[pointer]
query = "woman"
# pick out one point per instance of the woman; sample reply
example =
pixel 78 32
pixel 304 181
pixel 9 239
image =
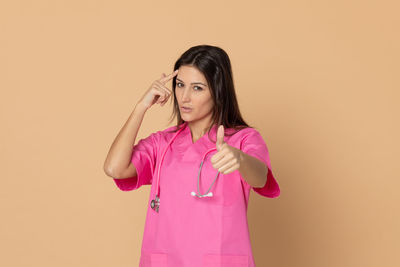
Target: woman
pixel 197 212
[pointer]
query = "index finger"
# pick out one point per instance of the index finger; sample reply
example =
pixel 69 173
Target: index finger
pixel 169 76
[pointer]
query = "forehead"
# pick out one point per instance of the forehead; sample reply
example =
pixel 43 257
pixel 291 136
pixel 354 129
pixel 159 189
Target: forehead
pixel 190 74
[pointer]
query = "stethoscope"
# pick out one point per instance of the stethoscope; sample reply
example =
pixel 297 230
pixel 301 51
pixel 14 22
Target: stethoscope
pixel 155 203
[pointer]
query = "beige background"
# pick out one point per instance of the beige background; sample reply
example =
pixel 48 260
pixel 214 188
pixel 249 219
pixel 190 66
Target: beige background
pixel 320 80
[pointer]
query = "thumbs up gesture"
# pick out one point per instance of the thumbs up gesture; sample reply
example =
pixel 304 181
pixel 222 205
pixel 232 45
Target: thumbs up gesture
pixel 228 158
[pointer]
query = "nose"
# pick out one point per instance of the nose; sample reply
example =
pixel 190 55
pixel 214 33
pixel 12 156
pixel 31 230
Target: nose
pixel 186 95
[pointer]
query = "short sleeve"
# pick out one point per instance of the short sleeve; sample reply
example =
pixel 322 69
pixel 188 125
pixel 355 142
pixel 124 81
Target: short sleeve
pixel 144 156
pixel 253 144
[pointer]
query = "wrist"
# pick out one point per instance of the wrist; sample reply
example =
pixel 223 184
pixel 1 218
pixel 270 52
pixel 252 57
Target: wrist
pixel 140 107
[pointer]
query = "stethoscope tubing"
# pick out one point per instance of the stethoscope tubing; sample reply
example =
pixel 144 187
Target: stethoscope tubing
pixel 156 202
pixel 162 159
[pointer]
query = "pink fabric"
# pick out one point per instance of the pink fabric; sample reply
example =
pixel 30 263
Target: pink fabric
pixel 190 231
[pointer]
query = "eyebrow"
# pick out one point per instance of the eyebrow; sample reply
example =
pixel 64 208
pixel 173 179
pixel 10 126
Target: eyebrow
pixel 193 83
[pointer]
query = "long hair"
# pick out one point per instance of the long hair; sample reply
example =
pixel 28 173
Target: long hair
pixel 214 63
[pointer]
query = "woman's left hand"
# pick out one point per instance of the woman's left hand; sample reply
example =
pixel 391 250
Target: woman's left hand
pixel 228 158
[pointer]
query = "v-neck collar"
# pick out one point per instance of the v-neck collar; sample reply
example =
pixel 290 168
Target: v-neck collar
pixel 192 151
pixel 203 138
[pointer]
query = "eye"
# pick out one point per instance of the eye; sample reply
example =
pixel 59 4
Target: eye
pixel 199 88
pixel 178 84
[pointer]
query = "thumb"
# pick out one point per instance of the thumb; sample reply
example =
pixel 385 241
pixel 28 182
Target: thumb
pixel 220 137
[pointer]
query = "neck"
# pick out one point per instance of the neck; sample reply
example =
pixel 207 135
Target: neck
pixel 198 129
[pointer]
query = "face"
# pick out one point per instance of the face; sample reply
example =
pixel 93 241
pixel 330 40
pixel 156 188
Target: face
pixel 193 91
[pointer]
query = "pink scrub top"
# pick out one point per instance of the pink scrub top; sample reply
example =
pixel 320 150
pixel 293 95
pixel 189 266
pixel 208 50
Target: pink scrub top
pixel 189 231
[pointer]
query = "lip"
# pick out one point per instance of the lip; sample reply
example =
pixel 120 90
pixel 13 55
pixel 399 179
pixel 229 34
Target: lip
pixel 183 109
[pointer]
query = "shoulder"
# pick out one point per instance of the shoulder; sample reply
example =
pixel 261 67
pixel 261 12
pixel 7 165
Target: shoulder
pixel 242 133
pixel 165 134
pixel 243 136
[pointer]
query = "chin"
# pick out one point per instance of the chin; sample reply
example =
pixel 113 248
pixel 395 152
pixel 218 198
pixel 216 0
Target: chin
pixel 185 118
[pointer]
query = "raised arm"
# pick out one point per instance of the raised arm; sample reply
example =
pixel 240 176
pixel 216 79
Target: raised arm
pixel 118 162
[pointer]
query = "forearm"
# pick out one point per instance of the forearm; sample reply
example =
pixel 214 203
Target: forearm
pixel 253 170
pixel 119 155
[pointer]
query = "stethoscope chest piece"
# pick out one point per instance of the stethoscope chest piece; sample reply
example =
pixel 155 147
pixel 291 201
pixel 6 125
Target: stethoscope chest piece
pixel 155 203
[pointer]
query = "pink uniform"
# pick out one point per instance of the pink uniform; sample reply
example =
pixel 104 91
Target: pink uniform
pixel 189 231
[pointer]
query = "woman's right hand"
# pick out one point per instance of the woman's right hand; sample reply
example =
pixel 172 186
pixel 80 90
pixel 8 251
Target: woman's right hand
pixel 158 92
